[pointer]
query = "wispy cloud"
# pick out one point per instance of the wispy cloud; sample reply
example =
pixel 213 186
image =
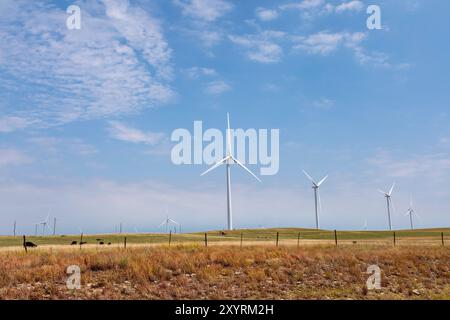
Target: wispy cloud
pixel 196 72
pixel 266 14
pixel 301 5
pixel 354 5
pixel 11 123
pixel 122 132
pixel 122 67
pixel 414 165
pixel 217 87
pixel 207 10
pixel 261 47
pixel 63 145
pixel 324 43
pixel 13 157
pixel 323 103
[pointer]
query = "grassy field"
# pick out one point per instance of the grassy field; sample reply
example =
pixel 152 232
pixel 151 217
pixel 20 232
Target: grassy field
pixel 225 272
pixel 264 236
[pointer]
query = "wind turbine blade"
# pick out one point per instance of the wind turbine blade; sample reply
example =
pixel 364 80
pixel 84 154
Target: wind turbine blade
pixel 392 189
pixel 218 164
pixel 173 221
pixel 322 181
pixel 383 192
pixel 245 168
pixel 163 223
pixel 309 177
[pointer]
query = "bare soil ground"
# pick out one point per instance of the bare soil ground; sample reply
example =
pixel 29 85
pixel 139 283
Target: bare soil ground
pixel 258 270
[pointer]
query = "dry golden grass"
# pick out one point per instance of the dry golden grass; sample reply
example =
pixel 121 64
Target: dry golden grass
pixel 227 272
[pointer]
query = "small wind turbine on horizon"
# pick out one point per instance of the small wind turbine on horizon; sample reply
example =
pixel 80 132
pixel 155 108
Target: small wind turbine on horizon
pixel 411 212
pixel 317 201
pixel 44 224
pixel 388 196
pixel 168 221
pixel 229 160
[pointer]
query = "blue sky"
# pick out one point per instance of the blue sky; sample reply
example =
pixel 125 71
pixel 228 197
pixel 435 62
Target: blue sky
pixel 86 115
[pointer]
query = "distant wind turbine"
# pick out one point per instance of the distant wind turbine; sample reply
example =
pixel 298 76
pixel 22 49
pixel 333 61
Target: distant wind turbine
pixel 44 224
pixel 229 160
pixel 317 201
pixel 388 196
pixel 168 221
pixel 411 212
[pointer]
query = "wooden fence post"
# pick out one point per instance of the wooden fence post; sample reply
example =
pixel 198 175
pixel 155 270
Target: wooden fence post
pixel 81 240
pixel 206 239
pixel 442 239
pixel 335 238
pixel 25 243
pixel 125 243
pixel 395 240
pixel 242 236
pixel 170 237
pixel 278 236
pixel 298 240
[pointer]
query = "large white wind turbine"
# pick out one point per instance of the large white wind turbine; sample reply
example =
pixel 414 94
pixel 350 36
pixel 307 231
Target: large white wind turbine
pixel 388 196
pixel 229 160
pixel 411 212
pixel 317 201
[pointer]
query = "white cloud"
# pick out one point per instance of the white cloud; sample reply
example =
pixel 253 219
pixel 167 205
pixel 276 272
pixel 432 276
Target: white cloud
pixel 354 5
pixel 324 43
pixel 302 5
pixel 217 87
pixel 117 63
pixel 266 14
pixel 196 72
pixel 10 124
pixel 414 165
pixel 207 10
pixel 64 145
pixel 261 47
pixel 125 133
pixel 12 157
pixel 323 103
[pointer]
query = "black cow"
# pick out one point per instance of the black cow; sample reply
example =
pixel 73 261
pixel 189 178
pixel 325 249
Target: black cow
pixel 73 243
pixel 30 244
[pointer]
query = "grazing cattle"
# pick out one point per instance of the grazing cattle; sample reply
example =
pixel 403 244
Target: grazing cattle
pixel 82 242
pixel 30 244
pixel 223 233
pixel 73 243
pixel 101 243
pixel 98 239
pixel 109 243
